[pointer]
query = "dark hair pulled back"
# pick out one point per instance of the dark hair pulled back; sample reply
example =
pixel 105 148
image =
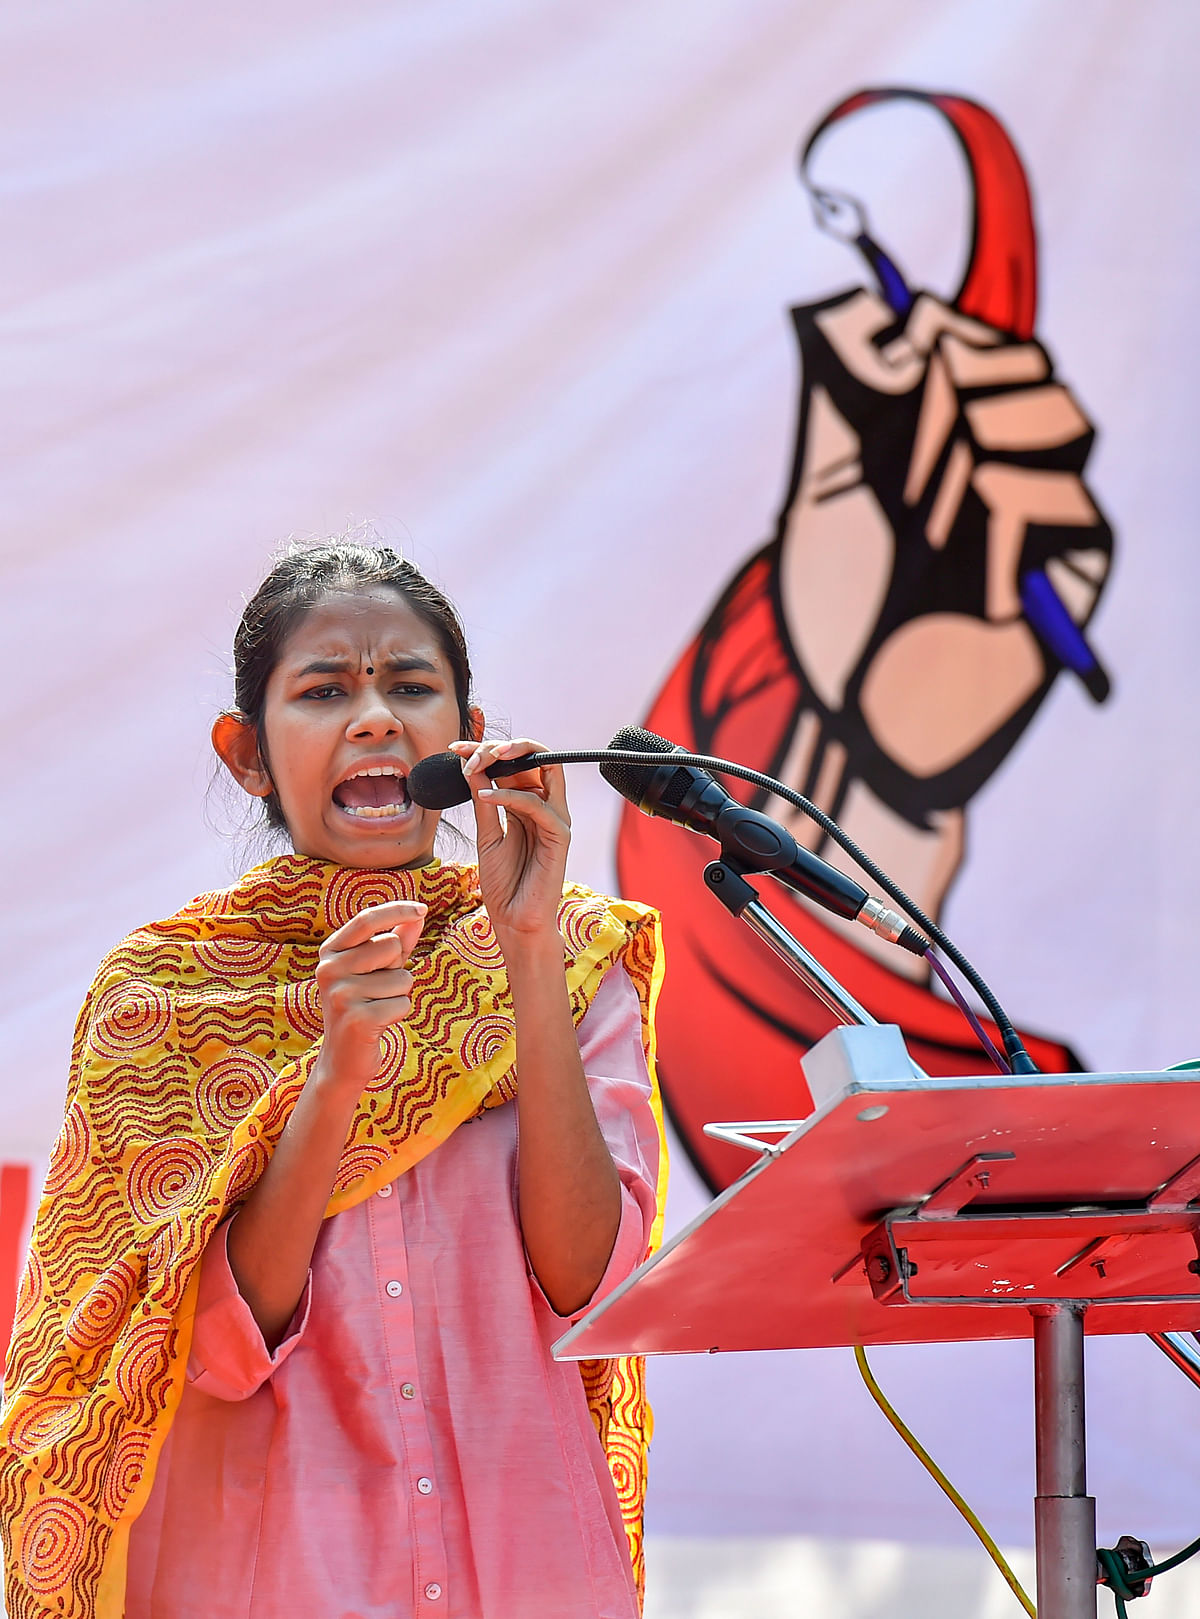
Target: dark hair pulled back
pixel 307 575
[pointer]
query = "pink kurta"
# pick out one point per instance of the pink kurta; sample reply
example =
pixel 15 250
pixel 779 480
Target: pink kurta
pixel 410 1449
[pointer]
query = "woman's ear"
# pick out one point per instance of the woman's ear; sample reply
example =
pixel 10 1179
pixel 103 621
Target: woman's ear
pixel 236 743
pixel 477 726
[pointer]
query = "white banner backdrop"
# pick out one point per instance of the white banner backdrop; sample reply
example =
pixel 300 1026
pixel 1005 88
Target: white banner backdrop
pixel 510 282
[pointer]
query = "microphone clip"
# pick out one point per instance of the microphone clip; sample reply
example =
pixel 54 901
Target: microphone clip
pixel 728 884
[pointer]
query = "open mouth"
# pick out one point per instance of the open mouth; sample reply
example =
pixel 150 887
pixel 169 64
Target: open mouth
pixel 375 793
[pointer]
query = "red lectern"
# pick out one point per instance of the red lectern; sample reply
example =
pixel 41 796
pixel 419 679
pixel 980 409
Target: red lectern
pixel 916 1210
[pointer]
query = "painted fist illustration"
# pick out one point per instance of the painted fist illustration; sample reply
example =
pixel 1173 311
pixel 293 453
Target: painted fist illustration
pixel 936 563
pixel 939 554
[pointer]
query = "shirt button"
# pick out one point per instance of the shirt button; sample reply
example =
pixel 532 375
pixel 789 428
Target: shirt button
pixel 407 1391
pixel 385 1191
pixel 425 1485
pixel 394 1289
pixel 433 1590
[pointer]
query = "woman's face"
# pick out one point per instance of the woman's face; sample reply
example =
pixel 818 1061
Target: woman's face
pixel 361 691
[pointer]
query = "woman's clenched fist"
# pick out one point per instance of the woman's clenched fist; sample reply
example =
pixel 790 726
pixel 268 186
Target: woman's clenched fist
pixel 364 988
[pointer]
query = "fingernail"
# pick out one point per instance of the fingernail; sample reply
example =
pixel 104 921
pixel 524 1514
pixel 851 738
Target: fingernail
pixel 487 792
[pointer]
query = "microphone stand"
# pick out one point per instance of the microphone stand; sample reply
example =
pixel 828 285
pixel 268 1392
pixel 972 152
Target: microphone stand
pixel 727 882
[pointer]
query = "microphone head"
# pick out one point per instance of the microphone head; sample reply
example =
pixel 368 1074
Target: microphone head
pixel 438 782
pixel 629 780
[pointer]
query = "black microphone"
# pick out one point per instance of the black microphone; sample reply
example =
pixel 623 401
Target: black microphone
pixel 438 781
pixel 694 799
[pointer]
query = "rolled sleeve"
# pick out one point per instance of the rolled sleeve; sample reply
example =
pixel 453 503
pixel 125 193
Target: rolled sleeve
pixel 229 1358
pixel 614 1063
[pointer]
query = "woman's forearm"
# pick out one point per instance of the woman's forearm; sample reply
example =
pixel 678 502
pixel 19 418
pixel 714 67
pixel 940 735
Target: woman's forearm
pixel 568 1190
pixel 271 1241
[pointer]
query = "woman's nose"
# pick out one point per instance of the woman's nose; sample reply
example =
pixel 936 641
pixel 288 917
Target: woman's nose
pixel 373 718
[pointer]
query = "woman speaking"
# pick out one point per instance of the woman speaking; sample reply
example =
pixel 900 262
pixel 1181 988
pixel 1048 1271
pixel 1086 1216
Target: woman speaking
pixel 345 1145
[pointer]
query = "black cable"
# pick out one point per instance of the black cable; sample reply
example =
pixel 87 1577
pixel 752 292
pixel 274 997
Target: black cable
pixel 1018 1057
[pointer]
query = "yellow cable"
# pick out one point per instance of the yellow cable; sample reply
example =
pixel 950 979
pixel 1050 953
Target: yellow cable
pixel 939 1478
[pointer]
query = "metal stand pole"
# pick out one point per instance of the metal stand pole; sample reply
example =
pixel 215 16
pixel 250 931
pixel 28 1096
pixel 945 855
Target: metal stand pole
pixel 805 965
pixel 741 900
pixel 1064 1514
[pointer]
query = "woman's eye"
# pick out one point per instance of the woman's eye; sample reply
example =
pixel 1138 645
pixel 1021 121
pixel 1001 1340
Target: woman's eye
pixel 412 691
pixel 324 691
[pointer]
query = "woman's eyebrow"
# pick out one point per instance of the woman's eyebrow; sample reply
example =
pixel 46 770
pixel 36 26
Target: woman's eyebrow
pixel 324 666
pixel 400 662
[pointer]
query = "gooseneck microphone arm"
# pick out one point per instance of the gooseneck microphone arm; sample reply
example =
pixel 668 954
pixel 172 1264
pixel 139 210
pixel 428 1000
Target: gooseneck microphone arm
pixel 447 787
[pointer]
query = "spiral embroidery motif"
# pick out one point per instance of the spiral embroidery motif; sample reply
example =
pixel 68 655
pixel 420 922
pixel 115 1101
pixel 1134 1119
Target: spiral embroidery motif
pixel 123 1473
pixel 102 1311
pixel 485 1039
pixel 475 942
pixel 393 1053
pixel 164 1176
pixel 229 1088
pixel 52 1543
pixel 353 891
pixel 238 958
pixel 131 1017
pixel 358 1162
pixel 247 1165
pixel 45 1422
pixel 579 924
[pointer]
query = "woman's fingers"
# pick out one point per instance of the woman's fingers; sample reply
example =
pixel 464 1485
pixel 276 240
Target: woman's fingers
pixel 526 780
pixel 489 829
pixel 547 781
pixel 385 954
pixel 343 995
pixel 527 807
pixel 402 917
pixel 482 755
pixel 389 983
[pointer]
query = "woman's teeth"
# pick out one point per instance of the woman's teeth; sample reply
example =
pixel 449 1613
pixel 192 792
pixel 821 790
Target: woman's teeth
pixel 378 792
pixel 372 811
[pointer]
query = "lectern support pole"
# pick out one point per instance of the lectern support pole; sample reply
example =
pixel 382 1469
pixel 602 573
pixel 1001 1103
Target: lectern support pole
pixel 1064 1514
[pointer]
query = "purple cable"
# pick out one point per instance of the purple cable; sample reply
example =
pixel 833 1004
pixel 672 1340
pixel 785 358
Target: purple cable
pixel 934 961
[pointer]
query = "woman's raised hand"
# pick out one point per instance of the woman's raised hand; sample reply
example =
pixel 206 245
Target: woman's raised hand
pixel 522 858
pixel 364 989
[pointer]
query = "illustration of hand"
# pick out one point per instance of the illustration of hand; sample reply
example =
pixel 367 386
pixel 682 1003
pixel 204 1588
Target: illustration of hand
pixel 939 553
pixel 935 567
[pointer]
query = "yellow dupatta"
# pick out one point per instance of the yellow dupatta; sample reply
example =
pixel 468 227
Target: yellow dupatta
pixel 190 1050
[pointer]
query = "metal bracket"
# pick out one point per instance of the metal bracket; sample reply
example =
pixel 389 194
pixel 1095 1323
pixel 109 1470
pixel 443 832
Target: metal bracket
pixel 742 1133
pixel 953 1195
pixel 891 1250
pixel 1097 1253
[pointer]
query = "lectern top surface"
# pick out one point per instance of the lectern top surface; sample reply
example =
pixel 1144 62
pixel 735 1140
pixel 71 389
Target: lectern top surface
pixel 775 1263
